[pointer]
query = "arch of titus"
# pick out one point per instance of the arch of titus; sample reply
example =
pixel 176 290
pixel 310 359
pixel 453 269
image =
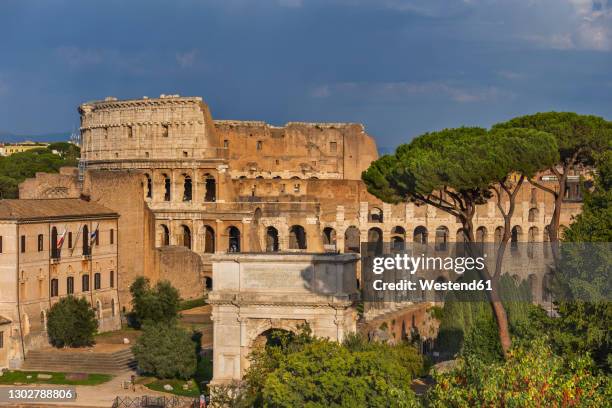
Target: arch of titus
pixel 254 293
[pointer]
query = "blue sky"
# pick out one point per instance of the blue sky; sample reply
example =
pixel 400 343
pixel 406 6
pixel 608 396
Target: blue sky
pixel 401 67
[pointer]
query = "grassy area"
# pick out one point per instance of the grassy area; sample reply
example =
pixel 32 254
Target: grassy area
pixel 14 377
pixel 203 373
pixel 191 303
pixel 177 385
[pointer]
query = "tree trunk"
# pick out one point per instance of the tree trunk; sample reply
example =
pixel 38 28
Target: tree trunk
pixel 502 322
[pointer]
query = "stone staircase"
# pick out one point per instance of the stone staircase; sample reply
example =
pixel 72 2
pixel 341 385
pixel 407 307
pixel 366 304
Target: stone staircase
pixel 80 361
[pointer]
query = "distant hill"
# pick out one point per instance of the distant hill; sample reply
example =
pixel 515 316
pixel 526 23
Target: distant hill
pixel 8 137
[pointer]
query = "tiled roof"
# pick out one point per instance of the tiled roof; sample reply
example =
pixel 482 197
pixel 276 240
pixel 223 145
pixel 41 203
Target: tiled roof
pixel 51 208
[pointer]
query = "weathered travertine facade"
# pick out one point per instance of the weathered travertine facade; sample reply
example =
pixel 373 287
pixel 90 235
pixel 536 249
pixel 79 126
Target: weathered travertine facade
pixel 255 293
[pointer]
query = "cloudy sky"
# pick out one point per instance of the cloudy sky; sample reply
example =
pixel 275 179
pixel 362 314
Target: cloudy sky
pixel 401 67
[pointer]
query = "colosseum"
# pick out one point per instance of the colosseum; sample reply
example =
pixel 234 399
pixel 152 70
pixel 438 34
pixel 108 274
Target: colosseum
pixel 188 186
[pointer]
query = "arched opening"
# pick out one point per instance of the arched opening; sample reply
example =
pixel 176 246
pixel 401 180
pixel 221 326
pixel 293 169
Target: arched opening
pixel 532 236
pixel 546 243
pixel 55 250
pixel 148 187
pixel 272 338
pixel 233 234
pixel 329 237
pixel 398 238
pixel 375 215
pixel 533 215
pixel 481 234
pixel 481 237
pixel 420 235
pixel 271 239
pixel 86 248
pixel 164 235
pixel 187 188
pixel 352 240
pixel 208 283
pixel 460 241
pixel 209 239
pixel 297 237
pixel 515 237
pixel 167 186
pixel 210 188
pixel 186 236
pixel 441 239
pixel 375 241
pixel 498 235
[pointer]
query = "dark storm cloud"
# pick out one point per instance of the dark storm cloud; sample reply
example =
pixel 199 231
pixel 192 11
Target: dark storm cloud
pixel 401 67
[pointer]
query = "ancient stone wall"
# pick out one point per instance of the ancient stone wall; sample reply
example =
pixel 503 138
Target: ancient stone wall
pixel 301 150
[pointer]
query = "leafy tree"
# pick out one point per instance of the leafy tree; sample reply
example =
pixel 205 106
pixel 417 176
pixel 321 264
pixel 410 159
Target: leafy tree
pixel 166 351
pixel 71 322
pixel 299 370
pixel 578 137
pixel 158 304
pixel 585 323
pixel 455 170
pixel 17 167
pixel 531 376
pixel 67 151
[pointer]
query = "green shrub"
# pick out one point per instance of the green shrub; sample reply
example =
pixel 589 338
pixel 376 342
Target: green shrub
pixel 157 304
pixel 71 322
pixel 165 351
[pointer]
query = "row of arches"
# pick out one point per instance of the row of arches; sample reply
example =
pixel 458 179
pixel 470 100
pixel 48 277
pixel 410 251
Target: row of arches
pixel 297 237
pixel 209 182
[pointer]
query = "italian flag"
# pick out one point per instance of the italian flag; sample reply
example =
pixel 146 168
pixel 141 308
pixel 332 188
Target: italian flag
pixel 60 239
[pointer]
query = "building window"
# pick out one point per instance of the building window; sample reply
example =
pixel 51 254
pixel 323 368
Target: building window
pixel 70 240
pixel 166 187
pixel 97 281
pixel 1 339
pixel 333 147
pixel 185 154
pixel 165 130
pixel 54 247
pixel 226 143
pixel 85 283
pixel 23 243
pixel 116 155
pixel 296 188
pixel 187 188
pixel 41 242
pixel 259 145
pixel 149 186
pixel 70 285
pixel 0 244
pixel 129 131
pixel 86 249
pixel 112 279
pixel 146 154
pixel 112 236
pixel 54 287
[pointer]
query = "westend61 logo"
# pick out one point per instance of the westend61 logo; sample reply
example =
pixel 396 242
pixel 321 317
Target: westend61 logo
pixel 411 264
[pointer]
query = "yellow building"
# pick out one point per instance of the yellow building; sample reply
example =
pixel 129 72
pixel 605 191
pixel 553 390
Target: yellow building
pixel 13 148
pixel 50 249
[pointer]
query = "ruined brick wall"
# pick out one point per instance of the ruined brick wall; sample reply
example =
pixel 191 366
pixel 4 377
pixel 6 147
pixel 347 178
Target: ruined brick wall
pixel 182 268
pixel 52 185
pixel 122 191
pixel 303 150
